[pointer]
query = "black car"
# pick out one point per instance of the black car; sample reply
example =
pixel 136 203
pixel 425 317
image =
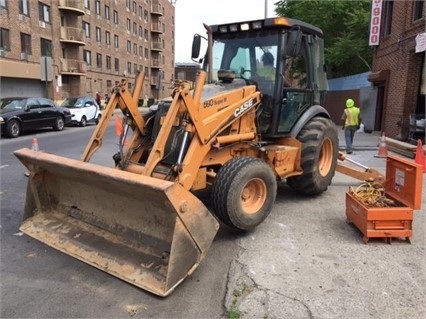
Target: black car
pixel 19 114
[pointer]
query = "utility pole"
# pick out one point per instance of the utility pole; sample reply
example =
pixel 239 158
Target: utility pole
pixel 266 9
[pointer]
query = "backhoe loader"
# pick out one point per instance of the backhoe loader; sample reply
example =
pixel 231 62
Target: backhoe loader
pixel 236 133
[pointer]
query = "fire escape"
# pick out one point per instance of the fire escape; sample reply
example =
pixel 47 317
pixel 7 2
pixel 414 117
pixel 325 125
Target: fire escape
pixel 157 47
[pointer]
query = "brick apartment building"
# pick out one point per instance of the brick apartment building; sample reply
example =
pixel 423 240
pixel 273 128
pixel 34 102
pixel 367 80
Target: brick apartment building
pixel 399 72
pixel 85 46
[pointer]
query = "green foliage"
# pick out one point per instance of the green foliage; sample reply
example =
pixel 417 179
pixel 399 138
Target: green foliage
pixel 346 28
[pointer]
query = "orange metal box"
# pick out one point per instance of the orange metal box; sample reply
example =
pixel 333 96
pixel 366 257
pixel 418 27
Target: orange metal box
pixel 403 185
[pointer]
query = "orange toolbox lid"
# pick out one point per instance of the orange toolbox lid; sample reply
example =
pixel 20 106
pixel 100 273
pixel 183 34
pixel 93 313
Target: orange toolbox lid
pixel 404 181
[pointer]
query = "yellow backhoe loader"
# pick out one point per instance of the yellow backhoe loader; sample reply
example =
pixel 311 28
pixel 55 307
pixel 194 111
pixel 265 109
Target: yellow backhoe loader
pixel 236 133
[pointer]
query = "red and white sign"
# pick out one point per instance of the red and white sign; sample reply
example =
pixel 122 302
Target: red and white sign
pixel 376 17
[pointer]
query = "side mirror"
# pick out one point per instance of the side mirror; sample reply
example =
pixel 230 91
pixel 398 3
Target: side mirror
pixel 196 45
pixel 294 40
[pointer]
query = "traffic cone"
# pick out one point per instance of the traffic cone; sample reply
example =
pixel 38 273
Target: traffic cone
pixel 34 145
pixel 420 155
pixel 118 126
pixel 383 150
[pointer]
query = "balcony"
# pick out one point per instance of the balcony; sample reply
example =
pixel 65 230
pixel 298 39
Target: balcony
pixel 155 63
pixel 156 8
pixel 154 80
pixel 157 46
pixel 75 6
pixel 156 27
pixel 73 67
pixel 72 35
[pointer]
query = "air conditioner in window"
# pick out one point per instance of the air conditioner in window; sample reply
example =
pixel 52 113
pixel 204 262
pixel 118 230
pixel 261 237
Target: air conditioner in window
pixel 42 24
pixel 24 56
pixel 22 17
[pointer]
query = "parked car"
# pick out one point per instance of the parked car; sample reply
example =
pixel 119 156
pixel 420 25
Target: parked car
pixel 83 110
pixel 18 114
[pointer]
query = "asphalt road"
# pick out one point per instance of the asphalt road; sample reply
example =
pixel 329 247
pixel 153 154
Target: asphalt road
pixel 304 261
pixel 40 282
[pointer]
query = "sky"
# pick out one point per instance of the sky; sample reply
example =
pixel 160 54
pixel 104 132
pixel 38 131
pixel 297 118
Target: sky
pixel 191 14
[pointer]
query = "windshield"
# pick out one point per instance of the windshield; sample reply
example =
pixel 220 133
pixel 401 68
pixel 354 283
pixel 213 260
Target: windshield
pixel 73 103
pixel 248 54
pixel 12 104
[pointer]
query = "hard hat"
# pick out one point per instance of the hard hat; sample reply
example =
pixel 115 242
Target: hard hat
pixel 350 103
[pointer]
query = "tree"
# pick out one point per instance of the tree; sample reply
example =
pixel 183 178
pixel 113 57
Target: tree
pixel 346 30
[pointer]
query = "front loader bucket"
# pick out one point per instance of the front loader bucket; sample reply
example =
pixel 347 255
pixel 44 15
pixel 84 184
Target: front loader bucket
pixel 149 232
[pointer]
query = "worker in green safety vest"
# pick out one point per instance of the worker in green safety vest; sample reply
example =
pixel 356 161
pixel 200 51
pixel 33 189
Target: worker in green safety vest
pixel 351 118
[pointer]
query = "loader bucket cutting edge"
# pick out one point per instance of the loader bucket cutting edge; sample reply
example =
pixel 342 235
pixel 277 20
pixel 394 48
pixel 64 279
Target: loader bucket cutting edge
pixel 149 232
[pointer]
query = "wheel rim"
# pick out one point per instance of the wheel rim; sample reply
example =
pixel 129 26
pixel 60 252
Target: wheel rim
pixel 325 161
pixel 60 124
pixel 253 196
pixel 15 129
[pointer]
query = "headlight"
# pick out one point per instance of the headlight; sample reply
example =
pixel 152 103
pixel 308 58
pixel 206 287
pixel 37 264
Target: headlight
pixel 1 120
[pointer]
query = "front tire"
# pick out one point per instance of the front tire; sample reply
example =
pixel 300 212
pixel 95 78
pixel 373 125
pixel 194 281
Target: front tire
pixel 13 128
pixel 83 121
pixel 319 156
pixel 244 192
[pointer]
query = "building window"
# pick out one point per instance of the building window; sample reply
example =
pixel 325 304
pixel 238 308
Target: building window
pixel 129 47
pixel 141 51
pixel 140 12
pixel 135 68
pixel 2 3
pixel 128 24
pixel 4 39
pixel 135 7
pixel 109 84
pixel 145 34
pixel 116 45
pixel 45 47
pixel 388 16
pixel 87 4
pixel 146 53
pixel 87 57
pixel 135 28
pixel 98 34
pixel 98 60
pixel 128 5
pixel 145 16
pixel 117 65
pixel 135 49
pixel 107 37
pixel 98 7
pixel 115 16
pixel 25 43
pixel 129 67
pixel 24 7
pixel 107 13
pixel 44 12
pixel 86 28
pixel 140 32
pixel 418 6
pixel 108 63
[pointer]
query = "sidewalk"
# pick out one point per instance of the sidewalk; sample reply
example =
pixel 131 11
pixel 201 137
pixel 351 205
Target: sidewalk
pixel 362 141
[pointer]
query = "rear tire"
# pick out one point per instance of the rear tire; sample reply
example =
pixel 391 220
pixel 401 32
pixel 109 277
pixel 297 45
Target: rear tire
pixel 83 121
pixel 59 124
pixel 319 156
pixel 13 128
pixel 244 192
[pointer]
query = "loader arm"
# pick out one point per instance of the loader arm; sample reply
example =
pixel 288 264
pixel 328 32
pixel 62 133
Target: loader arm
pixel 366 174
pixel 128 103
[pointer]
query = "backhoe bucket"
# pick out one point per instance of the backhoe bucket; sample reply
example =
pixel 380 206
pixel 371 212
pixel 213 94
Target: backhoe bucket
pixel 149 232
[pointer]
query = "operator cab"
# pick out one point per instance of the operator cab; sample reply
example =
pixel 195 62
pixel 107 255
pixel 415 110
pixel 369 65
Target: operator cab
pixel 281 56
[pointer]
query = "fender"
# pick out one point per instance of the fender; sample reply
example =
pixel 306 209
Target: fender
pixel 315 110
